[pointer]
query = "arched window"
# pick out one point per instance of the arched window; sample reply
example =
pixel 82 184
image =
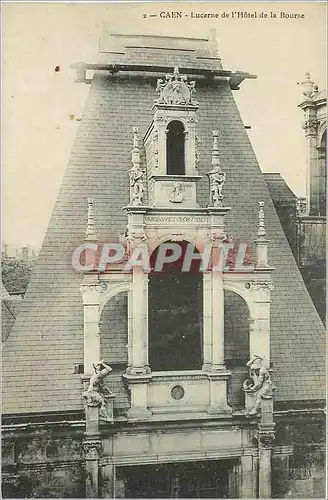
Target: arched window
pixel 175 148
pixel 236 345
pixel 175 316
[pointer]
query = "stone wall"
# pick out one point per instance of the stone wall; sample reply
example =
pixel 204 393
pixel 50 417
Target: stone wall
pixel 299 470
pixel 46 463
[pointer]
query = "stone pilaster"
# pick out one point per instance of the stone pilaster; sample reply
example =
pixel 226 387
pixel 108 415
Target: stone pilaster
pixel 92 449
pixel 138 365
pixel 247 487
pixel 207 320
pixel 265 442
pixel 138 386
pixel 217 321
pixel 91 290
pixel 107 474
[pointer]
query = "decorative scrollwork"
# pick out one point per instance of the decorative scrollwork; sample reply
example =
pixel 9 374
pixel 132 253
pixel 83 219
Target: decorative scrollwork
pixel 265 439
pixel 90 288
pixel 92 449
pixel 175 90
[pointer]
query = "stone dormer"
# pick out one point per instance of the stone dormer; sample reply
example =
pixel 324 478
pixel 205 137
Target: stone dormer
pixel 171 143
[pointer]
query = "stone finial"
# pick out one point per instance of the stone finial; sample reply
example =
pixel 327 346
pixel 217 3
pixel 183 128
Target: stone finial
pixel 261 232
pixel 215 150
pixel 216 176
pixel 136 173
pixel 135 150
pixel 175 90
pixel 308 86
pixel 90 232
pixel 261 241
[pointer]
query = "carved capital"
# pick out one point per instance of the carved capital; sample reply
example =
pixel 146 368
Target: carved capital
pixel 310 127
pixel 136 234
pixel 265 439
pixel 91 288
pixel 260 286
pixel 92 449
pixel 161 119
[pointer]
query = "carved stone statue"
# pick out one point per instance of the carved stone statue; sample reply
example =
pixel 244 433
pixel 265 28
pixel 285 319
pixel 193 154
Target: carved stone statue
pixel 217 179
pixel 259 383
pixel 97 391
pixel 136 185
pixel 176 195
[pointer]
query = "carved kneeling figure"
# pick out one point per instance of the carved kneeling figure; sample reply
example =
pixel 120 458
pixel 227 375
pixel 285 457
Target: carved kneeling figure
pixel 97 391
pixel 259 383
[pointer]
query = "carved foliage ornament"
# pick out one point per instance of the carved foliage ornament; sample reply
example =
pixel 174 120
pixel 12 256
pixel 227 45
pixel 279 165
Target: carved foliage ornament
pixel 310 126
pixel 260 286
pixel 90 288
pixel 175 90
pixel 265 439
pixel 136 173
pixel 92 449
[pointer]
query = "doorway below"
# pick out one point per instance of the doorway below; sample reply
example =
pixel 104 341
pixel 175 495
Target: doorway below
pixel 207 479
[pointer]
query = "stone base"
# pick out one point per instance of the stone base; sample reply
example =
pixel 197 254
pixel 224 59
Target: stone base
pixel 139 414
pixel 220 411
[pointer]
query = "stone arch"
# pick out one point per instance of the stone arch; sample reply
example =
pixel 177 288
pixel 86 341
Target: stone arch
pixel 236 344
pixel 113 326
pixel 188 236
pixel 175 148
pixel 111 291
pixel 239 289
pixel 321 132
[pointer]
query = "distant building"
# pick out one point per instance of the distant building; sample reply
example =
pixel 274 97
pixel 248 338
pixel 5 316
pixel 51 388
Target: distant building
pixel 304 219
pixel 25 253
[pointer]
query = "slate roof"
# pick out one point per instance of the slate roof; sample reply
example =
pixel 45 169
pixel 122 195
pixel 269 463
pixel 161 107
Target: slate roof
pixel 278 188
pixel 47 339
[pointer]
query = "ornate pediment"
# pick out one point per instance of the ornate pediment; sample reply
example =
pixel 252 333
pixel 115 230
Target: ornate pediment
pixel 175 90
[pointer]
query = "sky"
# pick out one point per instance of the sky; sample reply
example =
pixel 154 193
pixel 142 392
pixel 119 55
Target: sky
pixel 40 105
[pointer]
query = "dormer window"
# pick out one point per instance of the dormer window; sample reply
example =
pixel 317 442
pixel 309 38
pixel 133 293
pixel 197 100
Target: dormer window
pixel 175 148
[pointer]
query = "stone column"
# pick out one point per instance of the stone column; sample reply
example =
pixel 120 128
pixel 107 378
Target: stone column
pixel 217 322
pixel 139 349
pixel 91 298
pixel 107 473
pixel 313 173
pixel 265 441
pixel 259 335
pixel 91 449
pixel 247 489
pixel 207 320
